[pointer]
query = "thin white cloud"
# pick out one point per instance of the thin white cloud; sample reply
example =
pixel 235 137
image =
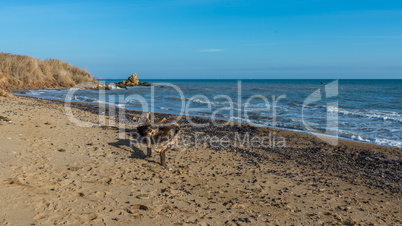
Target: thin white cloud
pixel 211 50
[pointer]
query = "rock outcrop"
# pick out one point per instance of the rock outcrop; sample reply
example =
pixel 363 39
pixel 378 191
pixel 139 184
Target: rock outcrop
pixel 132 81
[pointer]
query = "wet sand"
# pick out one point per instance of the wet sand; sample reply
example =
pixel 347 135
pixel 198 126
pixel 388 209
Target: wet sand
pixel 53 172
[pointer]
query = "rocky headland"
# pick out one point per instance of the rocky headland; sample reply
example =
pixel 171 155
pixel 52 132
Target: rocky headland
pixel 132 81
pixel 25 72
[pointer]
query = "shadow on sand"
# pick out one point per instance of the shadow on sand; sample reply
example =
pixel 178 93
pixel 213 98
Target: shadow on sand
pixel 129 144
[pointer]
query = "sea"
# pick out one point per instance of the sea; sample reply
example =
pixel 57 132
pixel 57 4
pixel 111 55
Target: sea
pixel 361 110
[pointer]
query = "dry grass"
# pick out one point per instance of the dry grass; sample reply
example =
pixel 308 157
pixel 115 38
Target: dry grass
pixel 17 71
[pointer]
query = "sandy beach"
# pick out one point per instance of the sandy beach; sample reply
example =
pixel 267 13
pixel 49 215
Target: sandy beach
pixel 53 171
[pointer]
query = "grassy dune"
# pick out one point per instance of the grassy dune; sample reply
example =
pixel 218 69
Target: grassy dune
pixel 17 71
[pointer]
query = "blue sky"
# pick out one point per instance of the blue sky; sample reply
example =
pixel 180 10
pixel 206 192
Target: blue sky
pixel 211 38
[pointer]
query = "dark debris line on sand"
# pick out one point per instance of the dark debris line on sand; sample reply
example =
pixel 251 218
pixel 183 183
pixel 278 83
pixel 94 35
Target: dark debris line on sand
pixel 371 168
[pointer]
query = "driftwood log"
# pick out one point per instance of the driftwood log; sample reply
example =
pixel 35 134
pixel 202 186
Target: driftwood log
pixel 160 136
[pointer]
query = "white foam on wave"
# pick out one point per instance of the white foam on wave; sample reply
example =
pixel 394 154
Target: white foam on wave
pixel 35 92
pixel 359 138
pixel 372 114
pixel 393 143
pixel 163 108
pixel 85 99
pixel 201 101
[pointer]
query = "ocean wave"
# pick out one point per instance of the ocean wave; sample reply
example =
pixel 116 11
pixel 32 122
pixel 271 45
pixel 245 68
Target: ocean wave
pixel 137 102
pixel 35 92
pixel 387 142
pixel 383 115
pixel 176 98
pixel 379 123
pixel 359 138
pixel 85 99
pixel 201 101
pixel 114 87
pixel 166 109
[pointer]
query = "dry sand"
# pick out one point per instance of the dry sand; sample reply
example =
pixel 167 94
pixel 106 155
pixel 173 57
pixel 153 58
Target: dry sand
pixel 55 172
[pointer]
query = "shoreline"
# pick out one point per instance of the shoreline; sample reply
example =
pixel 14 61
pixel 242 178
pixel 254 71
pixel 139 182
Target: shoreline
pixel 244 130
pixel 56 172
pixel 220 119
